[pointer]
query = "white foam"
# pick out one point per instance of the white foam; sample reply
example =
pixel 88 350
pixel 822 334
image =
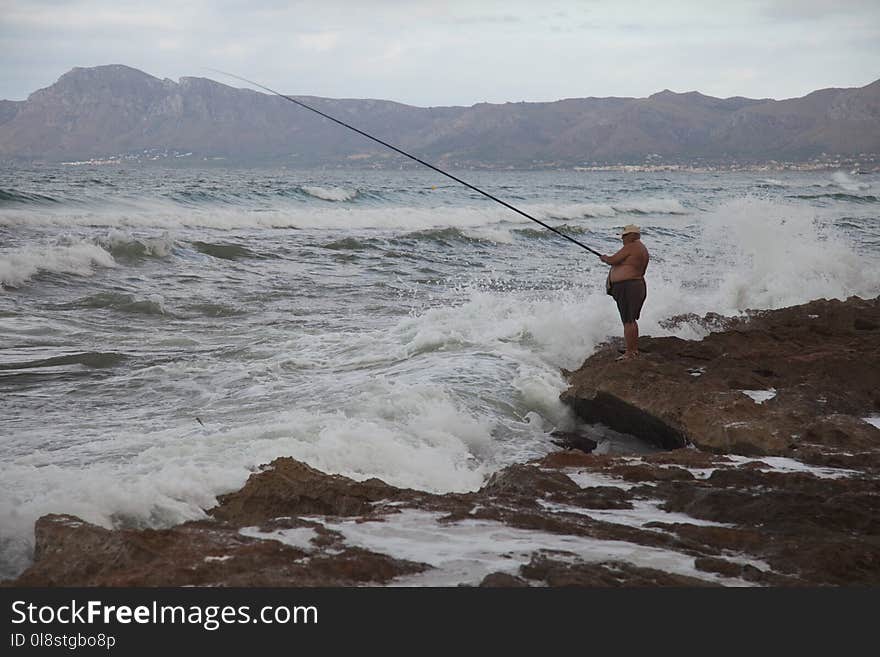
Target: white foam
pixel 772 254
pixel 464 552
pixel 642 513
pixel 873 419
pixel 410 436
pixel 785 464
pixel 490 234
pixel 158 213
pixel 664 205
pixel 844 181
pixel 591 479
pixel 330 193
pixel 760 396
pixel 559 329
pixel 153 246
pixel 298 537
pixel 81 258
pixel 332 217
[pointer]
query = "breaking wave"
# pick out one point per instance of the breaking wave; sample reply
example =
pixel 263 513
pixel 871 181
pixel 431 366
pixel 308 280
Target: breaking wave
pixel 123 246
pixel 330 193
pixel 81 259
pixel 127 303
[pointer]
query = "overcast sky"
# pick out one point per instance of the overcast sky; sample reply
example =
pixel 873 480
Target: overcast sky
pixel 455 53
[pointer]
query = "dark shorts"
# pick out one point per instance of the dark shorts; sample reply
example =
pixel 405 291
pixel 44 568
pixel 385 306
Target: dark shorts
pixel 629 295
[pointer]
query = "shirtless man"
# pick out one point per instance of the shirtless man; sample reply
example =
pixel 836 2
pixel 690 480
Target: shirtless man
pixel 627 284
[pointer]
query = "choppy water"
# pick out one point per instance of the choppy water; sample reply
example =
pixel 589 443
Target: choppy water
pixel 388 324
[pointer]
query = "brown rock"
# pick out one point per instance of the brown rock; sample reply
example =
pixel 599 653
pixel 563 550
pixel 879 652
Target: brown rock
pixel 568 459
pixel 574 441
pixel 648 472
pixel 527 481
pixel 605 574
pixel 289 488
pixel 823 368
pixel 688 458
pixel 503 580
pixel 720 566
pixel 71 552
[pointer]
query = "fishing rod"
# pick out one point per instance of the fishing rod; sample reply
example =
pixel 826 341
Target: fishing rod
pixel 412 157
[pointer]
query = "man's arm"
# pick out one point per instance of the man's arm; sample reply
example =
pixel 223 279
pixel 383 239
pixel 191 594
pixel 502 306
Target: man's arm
pixel 617 258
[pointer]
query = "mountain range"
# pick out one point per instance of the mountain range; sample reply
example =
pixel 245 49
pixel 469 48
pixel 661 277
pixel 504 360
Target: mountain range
pixel 115 110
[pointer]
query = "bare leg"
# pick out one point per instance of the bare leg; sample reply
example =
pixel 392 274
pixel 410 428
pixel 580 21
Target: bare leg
pixel 631 337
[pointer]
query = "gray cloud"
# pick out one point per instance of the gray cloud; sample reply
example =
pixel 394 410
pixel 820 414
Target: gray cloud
pixel 455 52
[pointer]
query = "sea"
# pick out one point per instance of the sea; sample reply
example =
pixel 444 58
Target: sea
pixel 166 330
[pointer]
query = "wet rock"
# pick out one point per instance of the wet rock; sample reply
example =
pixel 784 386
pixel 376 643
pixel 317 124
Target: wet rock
pixel 817 371
pixel 527 481
pixel 806 530
pixel 554 572
pixel 720 566
pixel 687 458
pixel 643 472
pixel 503 580
pixel 624 412
pixel 568 459
pixel 576 441
pixel 600 497
pixel 710 321
pixel 289 487
pixel 71 552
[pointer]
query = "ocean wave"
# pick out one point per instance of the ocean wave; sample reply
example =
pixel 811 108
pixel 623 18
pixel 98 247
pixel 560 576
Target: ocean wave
pixel 224 251
pixel 201 196
pixel 93 359
pixel 214 310
pixel 774 254
pixel 651 206
pixel 331 216
pixel 220 196
pixel 168 215
pixel 123 246
pixel 18 197
pixel 80 259
pixel 348 244
pixel 543 233
pixel 844 181
pixel 449 236
pixel 127 303
pixel 646 206
pixel 330 193
pixel 840 196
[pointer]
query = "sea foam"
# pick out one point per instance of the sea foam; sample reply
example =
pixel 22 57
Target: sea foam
pixel 81 258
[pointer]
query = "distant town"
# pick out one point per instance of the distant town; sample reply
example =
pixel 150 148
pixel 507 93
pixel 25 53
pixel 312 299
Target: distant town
pixel 863 163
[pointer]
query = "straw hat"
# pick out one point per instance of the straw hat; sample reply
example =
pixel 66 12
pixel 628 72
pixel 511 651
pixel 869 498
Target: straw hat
pixel 631 228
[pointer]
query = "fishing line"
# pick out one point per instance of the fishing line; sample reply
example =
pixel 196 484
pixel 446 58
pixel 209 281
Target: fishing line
pixel 412 157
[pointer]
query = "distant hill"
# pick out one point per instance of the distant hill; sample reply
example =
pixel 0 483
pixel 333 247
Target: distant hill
pixel 117 110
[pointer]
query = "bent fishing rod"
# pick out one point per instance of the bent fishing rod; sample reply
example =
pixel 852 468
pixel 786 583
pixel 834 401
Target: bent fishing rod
pixel 412 157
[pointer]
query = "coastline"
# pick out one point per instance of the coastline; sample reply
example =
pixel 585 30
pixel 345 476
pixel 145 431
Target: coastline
pixel 772 479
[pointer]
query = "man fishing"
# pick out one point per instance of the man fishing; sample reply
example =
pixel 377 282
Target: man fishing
pixel 626 283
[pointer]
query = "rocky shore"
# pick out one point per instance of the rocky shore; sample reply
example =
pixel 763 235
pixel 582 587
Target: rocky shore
pixel 770 476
